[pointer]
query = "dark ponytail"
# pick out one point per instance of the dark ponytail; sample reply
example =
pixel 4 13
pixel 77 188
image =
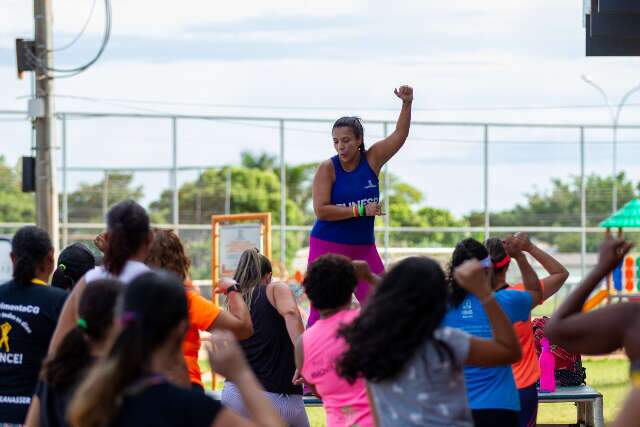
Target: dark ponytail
pixel 498 254
pixel 30 247
pixel 353 123
pixel 128 230
pixel 153 305
pixel 464 251
pixel 265 265
pixel 95 311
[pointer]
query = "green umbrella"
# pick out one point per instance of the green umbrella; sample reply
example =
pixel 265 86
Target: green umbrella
pixel 627 217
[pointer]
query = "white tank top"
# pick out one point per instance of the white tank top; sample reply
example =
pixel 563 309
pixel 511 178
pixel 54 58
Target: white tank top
pixel 131 270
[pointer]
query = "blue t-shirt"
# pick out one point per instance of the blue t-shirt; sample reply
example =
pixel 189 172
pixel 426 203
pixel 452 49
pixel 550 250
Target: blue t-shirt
pixel 490 388
pixel 360 187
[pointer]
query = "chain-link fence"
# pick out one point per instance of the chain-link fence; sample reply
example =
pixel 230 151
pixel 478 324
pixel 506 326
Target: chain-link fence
pixel 449 181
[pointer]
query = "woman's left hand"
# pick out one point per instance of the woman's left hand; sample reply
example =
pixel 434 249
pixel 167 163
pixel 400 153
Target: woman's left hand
pixel 405 93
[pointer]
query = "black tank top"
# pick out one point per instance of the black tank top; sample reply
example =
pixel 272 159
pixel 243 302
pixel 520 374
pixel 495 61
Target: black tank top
pixel 269 351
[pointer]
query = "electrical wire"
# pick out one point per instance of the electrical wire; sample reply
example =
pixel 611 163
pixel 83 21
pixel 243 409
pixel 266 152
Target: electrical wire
pixel 77 70
pixel 328 108
pixel 82 31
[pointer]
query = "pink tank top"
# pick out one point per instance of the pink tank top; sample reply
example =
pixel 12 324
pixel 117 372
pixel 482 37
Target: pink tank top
pixel 345 404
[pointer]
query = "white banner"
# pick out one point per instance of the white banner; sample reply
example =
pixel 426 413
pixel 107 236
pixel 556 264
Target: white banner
pixel 235 239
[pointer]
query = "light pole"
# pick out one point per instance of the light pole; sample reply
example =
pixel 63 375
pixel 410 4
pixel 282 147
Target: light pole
pixel 615 118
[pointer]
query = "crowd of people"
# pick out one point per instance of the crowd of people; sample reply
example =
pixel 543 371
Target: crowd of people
pixel 114 341
pixel 119 345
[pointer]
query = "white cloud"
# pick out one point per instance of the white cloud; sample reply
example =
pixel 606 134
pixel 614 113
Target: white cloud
pixel 460 53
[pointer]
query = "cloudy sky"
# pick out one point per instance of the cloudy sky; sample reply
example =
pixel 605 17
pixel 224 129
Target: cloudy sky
pixel 495 60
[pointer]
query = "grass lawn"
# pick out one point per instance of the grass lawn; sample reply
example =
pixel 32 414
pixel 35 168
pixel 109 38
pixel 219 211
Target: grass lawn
pixel 610 376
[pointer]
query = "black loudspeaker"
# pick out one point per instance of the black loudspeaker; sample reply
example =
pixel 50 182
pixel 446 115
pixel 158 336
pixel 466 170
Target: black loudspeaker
pixel 28 174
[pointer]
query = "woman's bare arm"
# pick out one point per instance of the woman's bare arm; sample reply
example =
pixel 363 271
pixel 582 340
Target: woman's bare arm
pixel 382 151
pixel 597 331
pixel 69 315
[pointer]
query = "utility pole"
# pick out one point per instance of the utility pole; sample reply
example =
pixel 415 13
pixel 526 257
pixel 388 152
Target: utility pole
pixel 46 193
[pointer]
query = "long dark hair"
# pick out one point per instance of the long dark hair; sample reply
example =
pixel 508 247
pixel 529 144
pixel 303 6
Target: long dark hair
pixel 153 305
pixel 464 251
pixel 353 123
pixel 95 310
pixel 128 230
pixel 405 310
pixel 30 247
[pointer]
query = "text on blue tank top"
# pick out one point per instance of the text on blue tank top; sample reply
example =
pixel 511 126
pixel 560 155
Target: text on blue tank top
pixel 358 187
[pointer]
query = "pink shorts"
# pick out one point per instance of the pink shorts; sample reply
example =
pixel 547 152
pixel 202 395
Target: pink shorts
pixel 368 253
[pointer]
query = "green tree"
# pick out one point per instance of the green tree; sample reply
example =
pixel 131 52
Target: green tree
pixel 560 206
pixel 89 201
pixel 406 209
pixel 15 206
pixel 297 177
pixel 252 190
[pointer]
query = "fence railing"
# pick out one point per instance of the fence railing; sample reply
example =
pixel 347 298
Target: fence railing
pixel 478 134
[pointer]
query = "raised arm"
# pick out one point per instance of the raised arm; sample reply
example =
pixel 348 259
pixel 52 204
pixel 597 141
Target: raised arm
pixel 630 412
pixel 383 150
pixel 68 317
pixel 363 272
pixel 503 348
pixel 238 318
pixel 514 246
pixel 558 275
pixel 598 331
pixel 227 359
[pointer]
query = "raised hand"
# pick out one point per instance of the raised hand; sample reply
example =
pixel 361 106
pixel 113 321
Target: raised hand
pixel 224 284
pixel 225 355
pixel 473 277
pixel 363 271
pixel 405 93
pixel 101 241
pixel 512 246
pixel 612 252
pixel 523 242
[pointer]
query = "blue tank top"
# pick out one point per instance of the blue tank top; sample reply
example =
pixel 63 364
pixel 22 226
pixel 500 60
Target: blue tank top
pixel 360 187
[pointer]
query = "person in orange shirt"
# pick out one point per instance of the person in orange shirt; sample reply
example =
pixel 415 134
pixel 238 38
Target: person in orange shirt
pixel 167 252
pixel 526 372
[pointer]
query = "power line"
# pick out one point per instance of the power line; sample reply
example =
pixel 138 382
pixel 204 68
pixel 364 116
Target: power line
pixel 82 31
pixel 338 108
pixel 70 72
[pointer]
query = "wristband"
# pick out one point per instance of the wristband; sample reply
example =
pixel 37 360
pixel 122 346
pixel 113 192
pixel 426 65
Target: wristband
pixel 362 210
pixel 488 298
pixel 233 288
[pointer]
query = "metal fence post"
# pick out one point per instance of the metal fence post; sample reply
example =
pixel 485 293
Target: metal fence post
pixel 65 195
pixel 385 195
pixel 283 199
pixel 175 203
pixel 227 192
pixel 105 195
pixel 485 171
pixel 583 208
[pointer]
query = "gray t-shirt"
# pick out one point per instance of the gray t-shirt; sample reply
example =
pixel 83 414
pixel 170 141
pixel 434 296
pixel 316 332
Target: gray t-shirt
pixel 430 391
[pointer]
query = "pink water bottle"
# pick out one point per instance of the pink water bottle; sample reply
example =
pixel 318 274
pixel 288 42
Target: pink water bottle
pixel 547 368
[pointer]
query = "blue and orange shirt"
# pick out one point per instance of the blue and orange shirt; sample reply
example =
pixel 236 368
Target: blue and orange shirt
pixel 358 187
